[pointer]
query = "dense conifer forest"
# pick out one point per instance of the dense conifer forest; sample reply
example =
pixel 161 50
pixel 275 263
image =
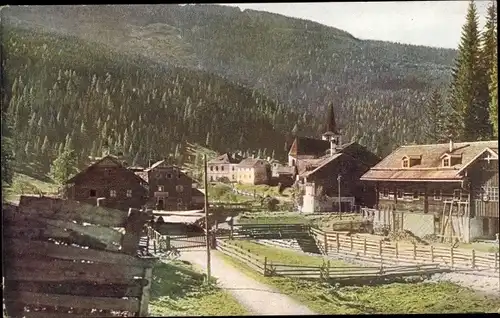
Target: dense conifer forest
pixel 146 80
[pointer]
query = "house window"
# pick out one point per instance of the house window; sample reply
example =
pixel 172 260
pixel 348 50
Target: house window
pixel 169 176
pixel 437 195
pixel 179 200
pixel 385 193
pixel 406 163
pixel 233 168
pixel 112 193
pixel 457 194
pixel 179 188
pixel 416 195
pixel 161 188
pixel 211 178
pixel 107 172
pixel 222 168
pixel 446 162
pixel 211 168
pixel 93 193
pixel 216 168
pixel 129 193
pixel 493 194
pixel 399 194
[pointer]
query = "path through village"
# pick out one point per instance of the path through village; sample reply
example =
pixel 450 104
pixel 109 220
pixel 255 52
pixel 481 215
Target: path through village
pixel 256 297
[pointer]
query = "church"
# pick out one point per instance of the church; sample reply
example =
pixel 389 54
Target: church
pixel 328 171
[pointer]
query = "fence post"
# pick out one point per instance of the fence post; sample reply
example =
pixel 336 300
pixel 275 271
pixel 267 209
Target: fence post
pixel 473 260
pixel 328 269
pixel 154 246
pixel 452 261
pixel 326 243
pixel 414 251
pixel 432 253
pixel 381 269
pixel 380 248
pixel 231 231
pixel 351 242
pixel 364 246
pixel 397 251
pixel 496 262
pixel 167 242
pixel 337 238
pixel 265 266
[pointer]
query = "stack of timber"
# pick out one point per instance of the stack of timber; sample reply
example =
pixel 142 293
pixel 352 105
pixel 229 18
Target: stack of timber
pixel 68 259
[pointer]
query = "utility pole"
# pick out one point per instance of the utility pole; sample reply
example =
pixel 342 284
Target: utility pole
pixel 339 177
pixel 205 177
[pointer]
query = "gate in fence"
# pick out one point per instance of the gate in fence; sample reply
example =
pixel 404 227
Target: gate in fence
pixel 188 241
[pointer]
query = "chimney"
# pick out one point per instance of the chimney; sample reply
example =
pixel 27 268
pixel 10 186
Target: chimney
pixel 451 145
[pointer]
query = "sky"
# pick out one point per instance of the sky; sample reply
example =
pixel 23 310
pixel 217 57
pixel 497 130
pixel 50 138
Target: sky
pixel 430 23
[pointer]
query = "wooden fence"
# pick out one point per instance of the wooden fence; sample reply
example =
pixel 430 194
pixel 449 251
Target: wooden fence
pixel 396 252
pixel 267 267
pixel 67 259
pixel 271 230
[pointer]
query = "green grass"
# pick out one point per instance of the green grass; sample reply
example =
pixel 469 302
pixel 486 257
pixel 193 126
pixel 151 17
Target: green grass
pixel 178 289
pixel 261 189
pixel 265 217
pixel 395 298
pixel 281 255
pixel 222 192
pixel 24 184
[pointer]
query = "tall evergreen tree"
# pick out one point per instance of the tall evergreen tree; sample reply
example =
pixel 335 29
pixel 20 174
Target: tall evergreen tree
pixel 64 166
pixel 469 113
pixel 494 97
pixel 435 115
pixel 490 65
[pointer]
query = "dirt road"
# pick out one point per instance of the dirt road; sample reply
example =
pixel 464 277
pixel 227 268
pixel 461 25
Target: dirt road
pixel 258 298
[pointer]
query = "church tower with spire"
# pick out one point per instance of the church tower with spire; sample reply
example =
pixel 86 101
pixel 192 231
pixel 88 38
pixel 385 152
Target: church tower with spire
pixel 332 133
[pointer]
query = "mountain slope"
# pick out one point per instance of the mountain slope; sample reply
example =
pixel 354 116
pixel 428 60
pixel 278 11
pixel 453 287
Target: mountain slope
pixel 377 88
pixel 63 91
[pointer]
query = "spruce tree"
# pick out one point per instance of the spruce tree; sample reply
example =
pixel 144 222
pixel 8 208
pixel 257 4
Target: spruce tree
pixel 494 97
pixel 435 126
pixel 465 121
pixel 64 166
pixel 490 65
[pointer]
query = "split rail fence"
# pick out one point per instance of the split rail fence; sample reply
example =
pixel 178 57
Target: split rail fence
pixel 397 252
pixel 68 259
pixel 267 267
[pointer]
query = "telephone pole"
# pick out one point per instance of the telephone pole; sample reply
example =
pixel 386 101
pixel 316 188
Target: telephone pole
pixel 340 205
pixel 205 177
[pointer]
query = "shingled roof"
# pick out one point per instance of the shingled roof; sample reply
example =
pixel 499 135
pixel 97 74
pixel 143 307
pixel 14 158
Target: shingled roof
pixel 252 162
pixel 227 158
pixel 430 165
pixel 304 146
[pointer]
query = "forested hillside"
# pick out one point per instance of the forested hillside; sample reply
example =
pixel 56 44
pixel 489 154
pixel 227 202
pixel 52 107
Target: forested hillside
pixel 64 93
pixel 378 88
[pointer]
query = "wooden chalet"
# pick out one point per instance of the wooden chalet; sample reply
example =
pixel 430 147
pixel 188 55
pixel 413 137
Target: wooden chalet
pixel 109 179
pixel 348 162
pixel 169 187
pixel 449 190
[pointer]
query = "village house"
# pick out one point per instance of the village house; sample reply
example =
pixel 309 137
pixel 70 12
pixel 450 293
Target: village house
pixel 253 171
pixel 109 179
pixel 323 167
pixel 223 167
pixel 322 178
pixel 449 190
pixel 169 187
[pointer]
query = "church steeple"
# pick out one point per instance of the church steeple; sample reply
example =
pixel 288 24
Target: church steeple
pixel 331 133
pixel 331 125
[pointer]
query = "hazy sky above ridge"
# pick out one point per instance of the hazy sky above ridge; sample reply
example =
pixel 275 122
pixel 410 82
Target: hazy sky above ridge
pixel 431 23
